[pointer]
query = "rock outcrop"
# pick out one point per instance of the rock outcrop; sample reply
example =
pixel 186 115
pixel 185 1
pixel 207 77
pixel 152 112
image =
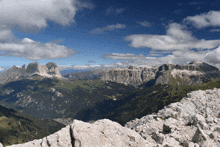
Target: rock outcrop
pixel 102 133
pixel 132 75
pixel 49 70
pixel 193 73
pixel 192 122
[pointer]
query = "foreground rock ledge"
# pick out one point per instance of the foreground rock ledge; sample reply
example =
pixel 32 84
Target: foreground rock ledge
pixel 192 122
pixel 102 133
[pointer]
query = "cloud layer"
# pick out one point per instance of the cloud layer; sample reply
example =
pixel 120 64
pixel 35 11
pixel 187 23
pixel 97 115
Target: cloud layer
pixel 32 50
pixel 125 56
pixel 108 28
pixel 144 23
pixel 114 11
pixel 210 19
pixel 176 38
pixel 31 16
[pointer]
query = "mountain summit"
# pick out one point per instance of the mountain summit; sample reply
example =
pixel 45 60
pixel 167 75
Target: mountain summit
pixel 50 70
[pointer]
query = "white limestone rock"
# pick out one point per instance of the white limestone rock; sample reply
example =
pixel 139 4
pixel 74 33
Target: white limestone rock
pixel 102 133
pixel 191 122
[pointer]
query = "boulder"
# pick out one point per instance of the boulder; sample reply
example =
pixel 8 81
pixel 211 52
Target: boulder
pixel 98 134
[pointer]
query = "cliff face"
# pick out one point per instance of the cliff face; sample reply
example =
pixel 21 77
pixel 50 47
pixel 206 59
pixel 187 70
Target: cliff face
pixel 193 73
pixel 49 70
pixel 132 75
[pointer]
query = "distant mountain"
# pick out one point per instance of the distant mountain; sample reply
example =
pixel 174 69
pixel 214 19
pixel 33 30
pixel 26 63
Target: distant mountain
pixel 193 73
pixel 16 127
pixel 50 70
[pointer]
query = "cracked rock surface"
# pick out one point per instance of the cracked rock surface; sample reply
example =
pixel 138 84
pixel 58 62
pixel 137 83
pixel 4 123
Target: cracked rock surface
pixel 102 133
pixel 192 122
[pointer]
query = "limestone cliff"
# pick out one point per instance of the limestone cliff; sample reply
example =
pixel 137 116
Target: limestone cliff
pixel 193 73
pixel 49 70
pixel 132 75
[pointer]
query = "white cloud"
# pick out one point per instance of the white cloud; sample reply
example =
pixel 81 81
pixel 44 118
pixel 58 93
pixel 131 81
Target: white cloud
pixel 29 15
pixel 1 69
pixel 82 67
pixel 177 37
pixel 114 11
pixel 125 56
pixel 144 23
pixel 32 50
pixel 213 56
pixel 6 35
pixel 214 30
pixel 108 28
pixel 210 19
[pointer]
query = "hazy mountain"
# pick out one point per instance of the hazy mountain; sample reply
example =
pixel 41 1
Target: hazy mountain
pixel 50 70
pixel 193 73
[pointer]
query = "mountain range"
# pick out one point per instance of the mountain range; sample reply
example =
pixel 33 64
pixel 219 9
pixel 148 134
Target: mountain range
pixel 121 95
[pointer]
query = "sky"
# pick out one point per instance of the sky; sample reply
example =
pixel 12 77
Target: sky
pixel 87 34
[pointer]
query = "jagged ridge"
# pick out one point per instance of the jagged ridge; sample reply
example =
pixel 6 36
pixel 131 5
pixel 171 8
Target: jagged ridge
pixel 193 73
pixel 49 70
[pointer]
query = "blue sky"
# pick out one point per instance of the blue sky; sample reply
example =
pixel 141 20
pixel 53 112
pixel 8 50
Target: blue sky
pixel 95 33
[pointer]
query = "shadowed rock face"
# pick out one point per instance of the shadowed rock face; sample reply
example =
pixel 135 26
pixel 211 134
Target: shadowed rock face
pixel 52 68
pixel 48 70
pixel 33 67
pixel 193 73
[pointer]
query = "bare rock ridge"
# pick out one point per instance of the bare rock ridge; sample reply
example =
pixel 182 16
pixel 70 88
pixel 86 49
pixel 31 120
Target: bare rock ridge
pixel 49 70
pixel 192 122
pixel 103 133
pixel 195 72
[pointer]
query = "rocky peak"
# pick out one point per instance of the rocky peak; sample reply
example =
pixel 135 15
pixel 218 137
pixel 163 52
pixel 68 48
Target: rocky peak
pixel 49 70
pixel 33 67
pixel 132 67
pixel 166 67
pixel 52 68
pixel 23 66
